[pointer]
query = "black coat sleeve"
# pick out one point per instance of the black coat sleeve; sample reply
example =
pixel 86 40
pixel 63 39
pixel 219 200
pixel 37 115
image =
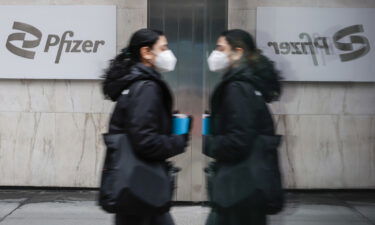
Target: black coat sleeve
pixel 144 130
pixel 239 115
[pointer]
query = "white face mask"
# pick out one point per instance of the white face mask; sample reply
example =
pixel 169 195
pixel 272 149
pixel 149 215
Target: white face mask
pixel 218 61
pixel 165 61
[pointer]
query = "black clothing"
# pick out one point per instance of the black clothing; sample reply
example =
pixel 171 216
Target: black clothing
pixel 238 114
pixel 165 219
pixel 145 116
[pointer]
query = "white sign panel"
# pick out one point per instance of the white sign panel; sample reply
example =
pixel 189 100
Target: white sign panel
pixel 56 42
pixel 319 44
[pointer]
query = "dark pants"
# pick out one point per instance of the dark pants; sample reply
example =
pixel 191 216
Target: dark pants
pixel 249 212
pixel 164 219
pixel 237 217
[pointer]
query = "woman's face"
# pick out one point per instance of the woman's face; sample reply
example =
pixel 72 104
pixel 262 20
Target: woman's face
pixel 234 55
pixel 222 45
pixel 149 54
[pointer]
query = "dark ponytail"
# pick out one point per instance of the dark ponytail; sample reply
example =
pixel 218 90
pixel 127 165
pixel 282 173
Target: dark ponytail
pixel 120 66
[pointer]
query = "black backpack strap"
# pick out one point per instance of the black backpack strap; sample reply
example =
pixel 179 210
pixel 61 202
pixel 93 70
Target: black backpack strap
pixel 125 98
pixel 134 89
pixel 137 87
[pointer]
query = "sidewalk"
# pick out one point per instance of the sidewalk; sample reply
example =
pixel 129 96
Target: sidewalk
pixel 79 208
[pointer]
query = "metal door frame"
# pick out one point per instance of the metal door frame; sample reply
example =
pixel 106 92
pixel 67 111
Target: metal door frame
pixel 192 27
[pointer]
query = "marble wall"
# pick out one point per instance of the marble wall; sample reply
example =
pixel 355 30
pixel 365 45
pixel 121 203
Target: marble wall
pixel 328 128
pixel 50 131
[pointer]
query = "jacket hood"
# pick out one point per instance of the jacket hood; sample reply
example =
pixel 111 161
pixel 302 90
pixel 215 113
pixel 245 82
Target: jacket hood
pixel 262 75
pixel 119 79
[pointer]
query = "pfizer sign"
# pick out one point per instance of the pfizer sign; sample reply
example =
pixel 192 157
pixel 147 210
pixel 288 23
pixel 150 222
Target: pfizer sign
pixel 319 44
pixel 56 42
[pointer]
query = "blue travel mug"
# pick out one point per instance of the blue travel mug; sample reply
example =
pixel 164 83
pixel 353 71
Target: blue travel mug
pixel 180 124
pixel 206 121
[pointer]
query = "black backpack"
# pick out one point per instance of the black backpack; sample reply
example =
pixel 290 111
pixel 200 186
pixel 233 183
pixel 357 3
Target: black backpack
pixel 232 184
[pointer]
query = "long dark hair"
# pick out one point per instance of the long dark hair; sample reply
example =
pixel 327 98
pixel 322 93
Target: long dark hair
pixel 267 78
pixel 130 55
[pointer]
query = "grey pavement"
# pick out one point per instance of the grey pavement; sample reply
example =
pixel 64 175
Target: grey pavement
pixel 40 207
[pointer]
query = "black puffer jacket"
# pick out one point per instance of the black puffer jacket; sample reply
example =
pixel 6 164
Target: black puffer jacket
pixel 239 111
pixel 145 114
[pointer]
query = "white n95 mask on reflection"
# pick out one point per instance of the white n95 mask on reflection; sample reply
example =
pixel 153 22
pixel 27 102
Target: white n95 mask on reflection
pixel 165 61
pixel 218 61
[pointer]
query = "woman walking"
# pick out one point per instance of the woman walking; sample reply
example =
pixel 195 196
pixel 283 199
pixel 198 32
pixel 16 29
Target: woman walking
pixel 146 115
pixel 238 115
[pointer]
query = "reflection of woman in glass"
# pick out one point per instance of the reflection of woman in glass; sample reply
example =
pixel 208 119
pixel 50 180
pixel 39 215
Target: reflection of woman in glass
pixel 238 113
